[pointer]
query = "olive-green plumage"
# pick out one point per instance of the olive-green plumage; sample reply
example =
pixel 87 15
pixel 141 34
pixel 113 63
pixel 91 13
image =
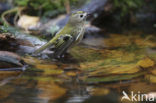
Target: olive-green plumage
pixel 71 34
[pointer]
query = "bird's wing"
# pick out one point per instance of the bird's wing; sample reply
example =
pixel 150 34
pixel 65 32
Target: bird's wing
pixel 80 35
pixel 45 46
pixel 64 42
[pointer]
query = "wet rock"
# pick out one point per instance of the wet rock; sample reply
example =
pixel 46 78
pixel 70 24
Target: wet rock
pixel 8 42
pixel 10 60
pixel 19 42
pixel 28 22
pixel 151 78
pixel 146 63
pixel 153 71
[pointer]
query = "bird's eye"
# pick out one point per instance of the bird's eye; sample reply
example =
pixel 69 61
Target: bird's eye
pixel 81 16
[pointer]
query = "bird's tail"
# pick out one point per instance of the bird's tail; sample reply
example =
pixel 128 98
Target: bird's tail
pixel 45 46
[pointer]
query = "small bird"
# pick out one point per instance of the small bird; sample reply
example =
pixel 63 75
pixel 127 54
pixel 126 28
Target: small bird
pixel 70 35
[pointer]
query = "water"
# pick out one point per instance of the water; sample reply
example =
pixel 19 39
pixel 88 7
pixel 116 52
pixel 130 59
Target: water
pixel 90 74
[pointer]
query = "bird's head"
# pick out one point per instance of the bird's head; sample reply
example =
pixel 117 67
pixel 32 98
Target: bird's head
pixel 78 17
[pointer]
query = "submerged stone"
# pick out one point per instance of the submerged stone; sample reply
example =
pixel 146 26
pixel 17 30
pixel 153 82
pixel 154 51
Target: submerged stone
pixel 10 60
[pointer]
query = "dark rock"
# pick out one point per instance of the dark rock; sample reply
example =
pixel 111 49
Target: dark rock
pixel 94 7
pixel 10 60
pixel 19 42
pixel 4 7
pixel 8 42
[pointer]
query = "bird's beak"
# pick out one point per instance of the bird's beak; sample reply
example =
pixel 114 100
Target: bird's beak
pixel 88 15
pixel 85 14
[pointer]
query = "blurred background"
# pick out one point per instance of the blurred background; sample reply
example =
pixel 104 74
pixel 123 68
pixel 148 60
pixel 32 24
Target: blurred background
pixel 110 15
pixel 117 53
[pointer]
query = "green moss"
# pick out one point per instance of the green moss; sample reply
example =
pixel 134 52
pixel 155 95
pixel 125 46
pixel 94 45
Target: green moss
pixel 127 6
pixel 46 7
